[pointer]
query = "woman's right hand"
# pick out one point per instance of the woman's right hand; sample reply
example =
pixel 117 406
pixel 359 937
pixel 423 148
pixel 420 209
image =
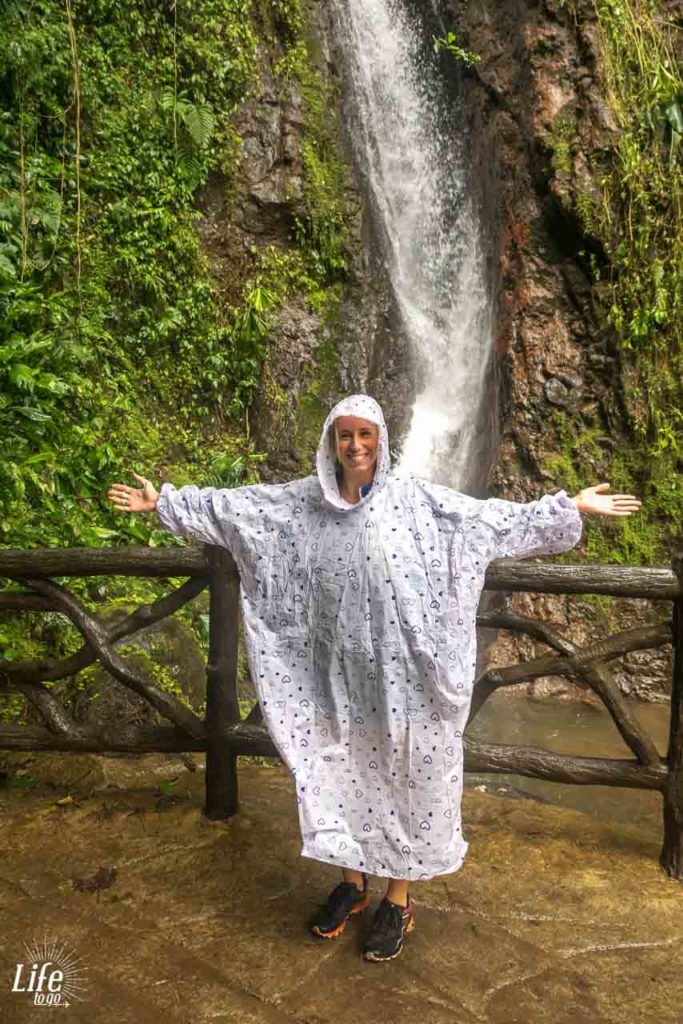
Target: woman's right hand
pixel 134 499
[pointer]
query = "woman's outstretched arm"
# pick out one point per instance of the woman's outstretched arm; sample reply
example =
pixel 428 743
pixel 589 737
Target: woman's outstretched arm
pixel 550 525
pixel 595 500
pixel 202 513
pixel 213 515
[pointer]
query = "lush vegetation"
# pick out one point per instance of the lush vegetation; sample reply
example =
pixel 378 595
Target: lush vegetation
pixel 120 348
pixel 450 43
pixel 117 350
pixel 637 218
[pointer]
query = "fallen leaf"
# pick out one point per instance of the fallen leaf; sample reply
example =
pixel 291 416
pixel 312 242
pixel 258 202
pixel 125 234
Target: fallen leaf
pixel 103 878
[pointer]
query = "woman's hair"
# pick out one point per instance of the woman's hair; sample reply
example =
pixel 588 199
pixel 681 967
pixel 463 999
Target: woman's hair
pixel 334 442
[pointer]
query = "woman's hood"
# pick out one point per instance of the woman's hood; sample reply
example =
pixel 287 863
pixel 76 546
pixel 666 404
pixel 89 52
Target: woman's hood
pixel 368 409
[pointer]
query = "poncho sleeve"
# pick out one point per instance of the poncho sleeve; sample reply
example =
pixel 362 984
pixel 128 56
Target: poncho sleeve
pixel 204 513
pixel 548 526
pixel 254 522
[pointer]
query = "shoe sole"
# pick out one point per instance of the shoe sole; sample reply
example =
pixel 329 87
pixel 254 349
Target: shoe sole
pixel 340 928
pixel 373 958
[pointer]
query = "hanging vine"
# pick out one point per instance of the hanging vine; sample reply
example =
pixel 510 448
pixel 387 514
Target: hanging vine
pixel 77 159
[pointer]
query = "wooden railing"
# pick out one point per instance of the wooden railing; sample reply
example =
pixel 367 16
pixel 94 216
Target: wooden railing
pixel 224 736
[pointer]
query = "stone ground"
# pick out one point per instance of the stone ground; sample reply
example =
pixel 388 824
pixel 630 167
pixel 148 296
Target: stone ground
pixel 556 917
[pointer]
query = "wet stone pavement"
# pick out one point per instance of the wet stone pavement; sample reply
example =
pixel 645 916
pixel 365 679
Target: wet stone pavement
pixel 556 916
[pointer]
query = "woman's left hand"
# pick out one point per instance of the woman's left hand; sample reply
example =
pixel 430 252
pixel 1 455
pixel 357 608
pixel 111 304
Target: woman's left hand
pixel 595 500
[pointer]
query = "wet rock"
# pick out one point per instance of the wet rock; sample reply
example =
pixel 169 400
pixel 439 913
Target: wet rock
pixel 270 178
pixel 310 363
pixel 541 125
pixel 550 98
pixel 556 392
pixel 166 654
pixel 556 915
pixel 640 675
pixel 289 369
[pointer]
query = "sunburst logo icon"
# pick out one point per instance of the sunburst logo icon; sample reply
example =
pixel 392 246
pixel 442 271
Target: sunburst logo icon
pixel 51 975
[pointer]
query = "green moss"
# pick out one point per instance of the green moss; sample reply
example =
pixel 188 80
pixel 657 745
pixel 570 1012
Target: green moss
pixel 635 211
pixel 648 537
pixel 316 398
pixel 601 603
pixel 563 142
pixel 323 227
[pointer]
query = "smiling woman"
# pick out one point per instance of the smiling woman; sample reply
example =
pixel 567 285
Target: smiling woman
pixel 360 587
pixel 356 443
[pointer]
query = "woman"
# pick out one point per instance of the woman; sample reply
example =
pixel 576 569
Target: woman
pixel 360 588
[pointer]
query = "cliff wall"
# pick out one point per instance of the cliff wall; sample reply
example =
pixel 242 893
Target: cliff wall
pixel 542 133
pixel 545 134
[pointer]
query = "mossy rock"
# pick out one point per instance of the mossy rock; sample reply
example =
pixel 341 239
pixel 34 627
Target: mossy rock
pixel 166 654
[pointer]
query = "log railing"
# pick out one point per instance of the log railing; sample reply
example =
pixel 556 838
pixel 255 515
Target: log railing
pixel 224 736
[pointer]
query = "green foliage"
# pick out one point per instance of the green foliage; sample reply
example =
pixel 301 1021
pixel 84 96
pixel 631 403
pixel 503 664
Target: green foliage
pixel 563 142
pixel 643 539
pixel 450 43
pixel 118 350
pixel 112 335
pixel 148 663
pixel 322 228
pixel 645 188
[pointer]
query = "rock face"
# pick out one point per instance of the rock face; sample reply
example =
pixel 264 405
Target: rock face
pixel 540 125
pixel 537 115
pixel 315 353
pixel 167 647
pixel 642 675
pixel 242 219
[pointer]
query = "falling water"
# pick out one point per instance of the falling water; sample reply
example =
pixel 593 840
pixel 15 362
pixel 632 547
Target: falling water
pixel 411 154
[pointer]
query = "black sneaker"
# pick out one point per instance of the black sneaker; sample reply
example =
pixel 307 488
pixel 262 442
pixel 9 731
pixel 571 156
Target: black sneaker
pixel 389 927
pixel 344 900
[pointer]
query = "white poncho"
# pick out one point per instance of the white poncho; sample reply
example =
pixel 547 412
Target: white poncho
pixel 361 640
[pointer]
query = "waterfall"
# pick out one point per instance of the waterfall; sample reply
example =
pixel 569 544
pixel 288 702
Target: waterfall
pixel 410 150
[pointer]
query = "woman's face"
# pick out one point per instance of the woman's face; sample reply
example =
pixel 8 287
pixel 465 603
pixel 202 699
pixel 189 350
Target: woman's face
pixel 357 441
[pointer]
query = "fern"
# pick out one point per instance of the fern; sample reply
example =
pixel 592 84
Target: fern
pixel 199 121
pixel 194 123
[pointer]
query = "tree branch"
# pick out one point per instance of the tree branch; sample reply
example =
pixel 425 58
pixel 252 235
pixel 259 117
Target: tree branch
pixel 143 617
pixel 49 707
pixel 583 663
pixel 96 636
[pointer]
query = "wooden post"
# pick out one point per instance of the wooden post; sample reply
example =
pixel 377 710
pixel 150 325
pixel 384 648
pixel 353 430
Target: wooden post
pixel 222 707
pixel 671 857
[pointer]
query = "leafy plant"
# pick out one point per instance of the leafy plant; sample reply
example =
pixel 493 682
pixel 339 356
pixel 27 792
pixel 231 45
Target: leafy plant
pixel 450 43
pixel 194 127
pixel 119 348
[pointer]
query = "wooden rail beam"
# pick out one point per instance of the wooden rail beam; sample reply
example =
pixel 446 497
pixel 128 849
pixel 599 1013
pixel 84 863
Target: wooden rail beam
pixel 658 584
pixel 242 739
pixel 245 739
pixel 44 563
pixel 537 763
